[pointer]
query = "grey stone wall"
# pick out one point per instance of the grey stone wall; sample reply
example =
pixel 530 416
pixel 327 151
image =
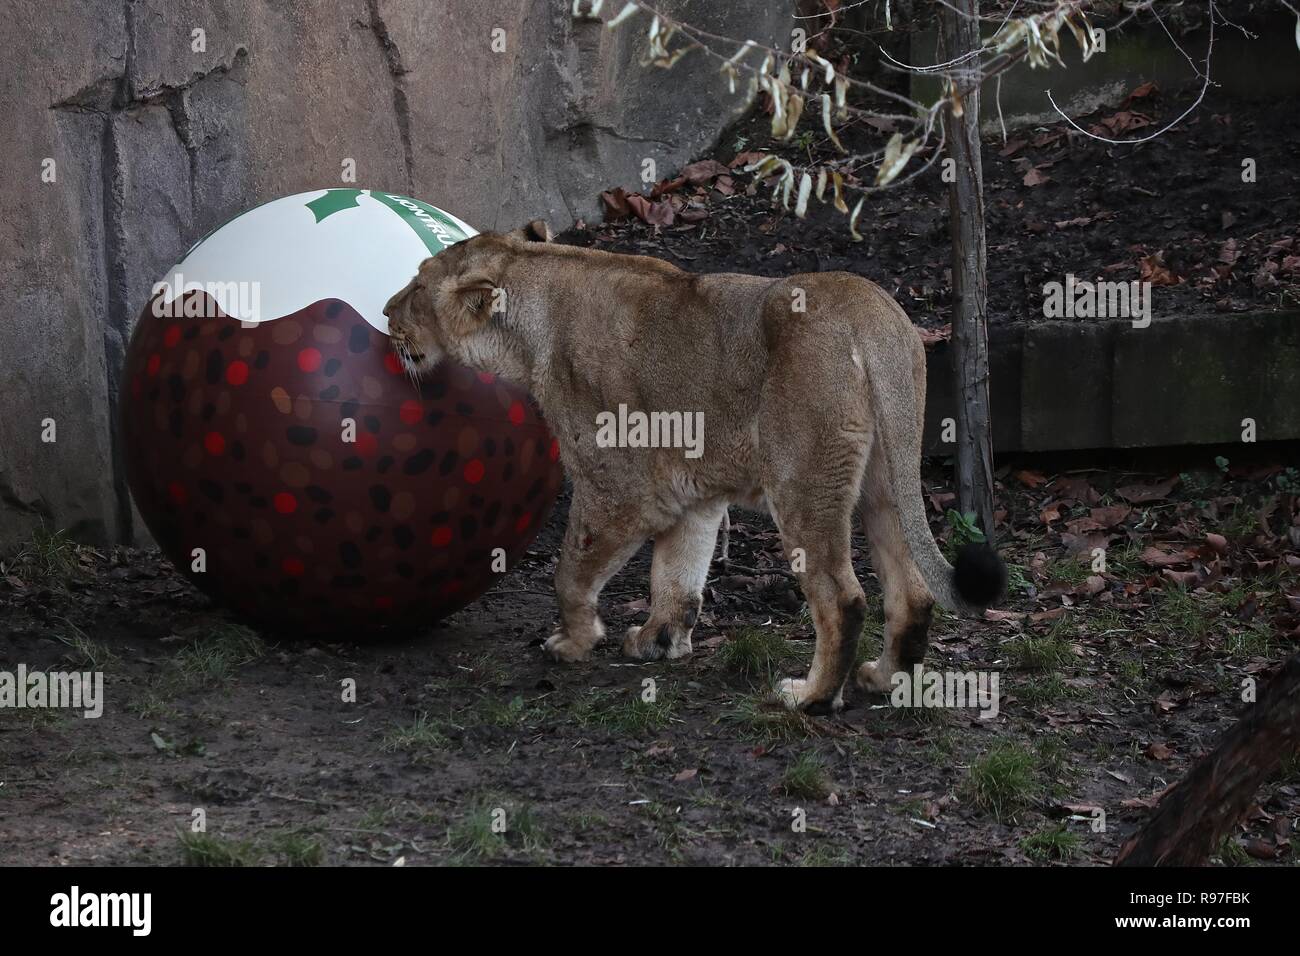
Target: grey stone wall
pixel 154 144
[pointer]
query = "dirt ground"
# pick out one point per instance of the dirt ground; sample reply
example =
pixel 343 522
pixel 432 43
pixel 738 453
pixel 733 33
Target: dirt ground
pixel 1111 681
pixel 1110 685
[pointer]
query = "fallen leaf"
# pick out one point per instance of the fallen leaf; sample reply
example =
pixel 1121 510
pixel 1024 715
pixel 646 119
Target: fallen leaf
pixel 1157 751
pixel 1110 516
pixel 1030 479
pixel 685 775
pixel 1164 555
pixel 1035 177
pixel 1138 493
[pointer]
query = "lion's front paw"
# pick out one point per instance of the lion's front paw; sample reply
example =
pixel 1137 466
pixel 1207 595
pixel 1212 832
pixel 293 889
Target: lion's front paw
pixel 793 693
pixel 652 642
pixel 568 649
pixel 873 677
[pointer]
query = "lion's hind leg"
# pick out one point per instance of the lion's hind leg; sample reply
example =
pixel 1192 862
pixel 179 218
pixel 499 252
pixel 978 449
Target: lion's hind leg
pixel 677 574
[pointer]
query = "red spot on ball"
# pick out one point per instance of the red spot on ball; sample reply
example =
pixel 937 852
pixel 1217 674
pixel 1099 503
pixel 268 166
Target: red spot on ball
pixel 154 363
pixel 383 603
pixel 309 359
pixel 411 411
pixel 524 521
pixel 487 378
pixel 516 413
pixel 474 471
pixel 237 372
pixel 554 453
pixel 451 587
pixel 285 503
pixel 172 336
pixel 367 444
pixel 392 364
pixel 177 493
pixel 292 567
pixel 214 443
pixel 441 536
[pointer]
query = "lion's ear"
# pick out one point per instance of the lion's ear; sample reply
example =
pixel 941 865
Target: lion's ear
pixel 535 231
pixel 465 301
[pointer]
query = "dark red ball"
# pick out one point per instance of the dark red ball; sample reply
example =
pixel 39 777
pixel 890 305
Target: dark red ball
pixel 236 444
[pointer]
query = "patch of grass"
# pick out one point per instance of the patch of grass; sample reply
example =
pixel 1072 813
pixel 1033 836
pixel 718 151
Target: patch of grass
pixel 1042 689
pixel 1004 782
pixel 1179 614
pixel 297 848
pixel 1018 582
pixel 1053 761
pixel 286 848
pixel 759 718
pixel 1126 561
pixel 1253 641
pixel 756 653
pixel 216 652
pixel 421 738
pixel 512 714
pixel 491 827
pixel 205 849
pixel 624 711
pixel 1069 571
pixel 152 702
pixel 806 778
pixel 824 855
pixel 1053 843
pixel 50 555
pixel 83 653
pixel 1040 652
pixel 1232 853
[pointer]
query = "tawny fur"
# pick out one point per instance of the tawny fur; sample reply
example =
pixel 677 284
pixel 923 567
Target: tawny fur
pixel 817 414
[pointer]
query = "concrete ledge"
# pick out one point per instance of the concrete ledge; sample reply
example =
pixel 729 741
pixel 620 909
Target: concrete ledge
pixel 1059 386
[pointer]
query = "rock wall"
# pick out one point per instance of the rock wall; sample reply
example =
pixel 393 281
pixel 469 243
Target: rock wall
pixel 128 140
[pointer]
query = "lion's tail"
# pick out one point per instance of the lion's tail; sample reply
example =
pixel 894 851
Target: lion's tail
pixel 979 575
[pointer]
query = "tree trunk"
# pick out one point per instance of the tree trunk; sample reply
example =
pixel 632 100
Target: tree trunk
pixel 960 30
pixel 1195 814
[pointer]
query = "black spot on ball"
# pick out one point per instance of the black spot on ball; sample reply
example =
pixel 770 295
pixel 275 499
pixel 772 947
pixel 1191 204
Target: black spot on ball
pixel 300 435
pixel 418 463
pixel 215 366
pixel 350 554
pixel 380 497
pixel 318 494
pixel 359 338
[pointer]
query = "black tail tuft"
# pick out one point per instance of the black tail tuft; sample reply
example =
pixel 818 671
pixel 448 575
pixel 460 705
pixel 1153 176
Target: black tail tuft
pixel 979 574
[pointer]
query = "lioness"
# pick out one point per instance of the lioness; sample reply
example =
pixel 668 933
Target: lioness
pixel 812 390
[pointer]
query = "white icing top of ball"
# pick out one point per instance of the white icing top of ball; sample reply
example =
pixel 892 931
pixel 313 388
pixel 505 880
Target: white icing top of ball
pixel 358 245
